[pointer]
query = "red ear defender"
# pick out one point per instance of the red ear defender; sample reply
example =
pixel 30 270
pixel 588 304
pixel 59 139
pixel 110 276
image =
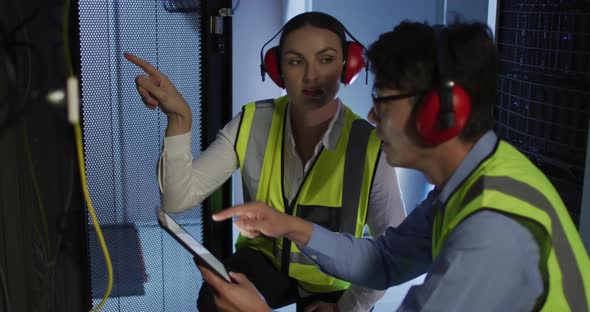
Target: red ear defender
pixel 355 62
pixel 428 117
pixel 353 65
pixel 271 66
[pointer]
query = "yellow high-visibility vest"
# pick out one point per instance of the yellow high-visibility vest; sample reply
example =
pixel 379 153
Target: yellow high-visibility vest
pixel 335 192
pixel 509 183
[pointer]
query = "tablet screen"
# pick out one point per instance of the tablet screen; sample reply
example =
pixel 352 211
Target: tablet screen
pixel 191 244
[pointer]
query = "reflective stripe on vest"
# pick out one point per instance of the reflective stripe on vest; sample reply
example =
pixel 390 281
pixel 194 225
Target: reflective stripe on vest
pixel 353 173
pixel 353 167
pixel 294 257
pixel 509 183
pixel 256 143
pixel 336 190
pixel 571 279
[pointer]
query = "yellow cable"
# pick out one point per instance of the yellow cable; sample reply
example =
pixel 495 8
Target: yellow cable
pixel 103 245
pixel 82 166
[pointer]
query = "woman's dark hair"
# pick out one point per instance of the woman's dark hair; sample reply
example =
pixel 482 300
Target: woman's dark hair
pixel 315 19
pixel 404 59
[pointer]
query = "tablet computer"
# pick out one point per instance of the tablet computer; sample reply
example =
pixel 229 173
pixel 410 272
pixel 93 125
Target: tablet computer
pixel 200 253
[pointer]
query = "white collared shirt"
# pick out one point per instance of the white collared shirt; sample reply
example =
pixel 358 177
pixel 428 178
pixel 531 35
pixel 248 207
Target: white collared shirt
pixel 295 170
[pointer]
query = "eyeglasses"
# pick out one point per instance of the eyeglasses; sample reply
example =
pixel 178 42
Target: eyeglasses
pixel 381 99
pixel 389 98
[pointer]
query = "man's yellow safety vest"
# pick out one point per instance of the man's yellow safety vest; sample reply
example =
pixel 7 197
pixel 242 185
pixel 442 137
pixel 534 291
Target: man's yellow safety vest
pixel 509 183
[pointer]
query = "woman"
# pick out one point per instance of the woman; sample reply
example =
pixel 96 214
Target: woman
pixel 329 159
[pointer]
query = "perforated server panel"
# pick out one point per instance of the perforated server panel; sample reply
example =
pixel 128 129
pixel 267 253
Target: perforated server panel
pixel 122 142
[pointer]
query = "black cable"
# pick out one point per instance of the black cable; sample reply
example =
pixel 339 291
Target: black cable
pixel 20 102
pixel 181 6
pixel 30 48
pixel 7 79
pixel 52 262
pixel 5 290
pixel 234 9
pixel 7 86
pixel 24 22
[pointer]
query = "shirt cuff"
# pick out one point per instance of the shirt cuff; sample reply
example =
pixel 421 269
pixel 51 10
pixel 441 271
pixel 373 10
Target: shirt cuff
pixel 319 240
pixel 177 145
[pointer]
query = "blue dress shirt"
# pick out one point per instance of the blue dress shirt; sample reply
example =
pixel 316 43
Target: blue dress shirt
pixel 490 262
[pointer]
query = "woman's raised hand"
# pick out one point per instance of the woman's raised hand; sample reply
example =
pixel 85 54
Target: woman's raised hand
pixel 156 90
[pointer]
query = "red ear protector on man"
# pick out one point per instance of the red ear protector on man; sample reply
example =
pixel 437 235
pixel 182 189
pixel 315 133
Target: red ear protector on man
pixel 354 60
pixel 445 109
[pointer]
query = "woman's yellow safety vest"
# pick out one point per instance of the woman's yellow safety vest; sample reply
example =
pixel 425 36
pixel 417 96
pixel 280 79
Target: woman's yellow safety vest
pixel 509 183
pixel 334 194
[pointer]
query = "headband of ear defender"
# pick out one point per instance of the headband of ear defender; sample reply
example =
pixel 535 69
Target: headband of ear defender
pixel 354 60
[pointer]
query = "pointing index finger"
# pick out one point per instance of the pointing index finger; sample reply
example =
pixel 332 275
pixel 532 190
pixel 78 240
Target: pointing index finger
pixel 228 213
pixel 145 66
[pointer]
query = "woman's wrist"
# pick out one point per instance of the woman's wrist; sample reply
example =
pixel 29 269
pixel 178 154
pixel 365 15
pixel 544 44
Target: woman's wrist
pixel 179 123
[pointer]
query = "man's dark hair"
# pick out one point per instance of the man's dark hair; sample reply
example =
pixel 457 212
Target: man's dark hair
pixel 316 19
pixel 404 59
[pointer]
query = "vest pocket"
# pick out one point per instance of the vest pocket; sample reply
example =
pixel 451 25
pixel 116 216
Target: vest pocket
pixel 328 217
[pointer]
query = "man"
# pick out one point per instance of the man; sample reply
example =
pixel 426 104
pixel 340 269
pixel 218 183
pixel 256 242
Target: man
pixel 493 235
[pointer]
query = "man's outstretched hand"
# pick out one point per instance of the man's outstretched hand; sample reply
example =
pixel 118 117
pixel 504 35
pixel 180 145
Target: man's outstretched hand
pixel 256 218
